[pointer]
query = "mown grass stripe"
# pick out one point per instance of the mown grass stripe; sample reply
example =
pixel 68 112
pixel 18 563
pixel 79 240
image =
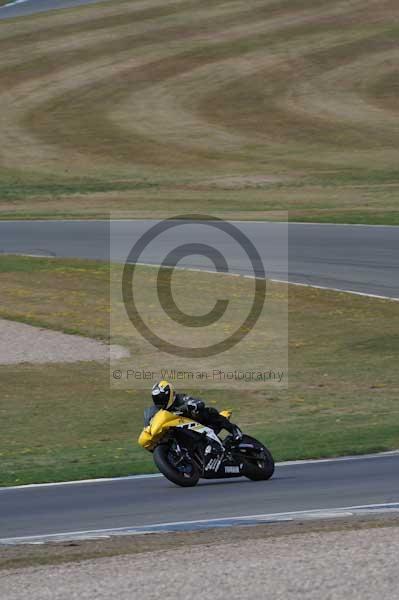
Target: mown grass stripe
pixel 281 97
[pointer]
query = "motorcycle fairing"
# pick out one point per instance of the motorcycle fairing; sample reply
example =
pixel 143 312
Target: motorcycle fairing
pixel 164 420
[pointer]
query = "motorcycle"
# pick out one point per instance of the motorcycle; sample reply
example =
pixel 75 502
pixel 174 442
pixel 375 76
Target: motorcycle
pixel 184 451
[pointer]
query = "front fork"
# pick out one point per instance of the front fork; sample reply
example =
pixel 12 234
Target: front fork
pixel 184 455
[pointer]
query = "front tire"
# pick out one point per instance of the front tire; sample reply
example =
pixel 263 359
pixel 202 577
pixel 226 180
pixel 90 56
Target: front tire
pixel 186 476
pixel 258 469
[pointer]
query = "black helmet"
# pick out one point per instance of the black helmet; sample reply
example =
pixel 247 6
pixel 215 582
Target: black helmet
pixel 162 394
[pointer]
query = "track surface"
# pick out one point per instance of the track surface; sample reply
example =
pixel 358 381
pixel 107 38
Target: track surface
pixel 134 502
pixel 23 8
pixel 351 258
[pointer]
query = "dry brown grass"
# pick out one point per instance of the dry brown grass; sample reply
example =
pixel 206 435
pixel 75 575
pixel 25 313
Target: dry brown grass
pixel 145 106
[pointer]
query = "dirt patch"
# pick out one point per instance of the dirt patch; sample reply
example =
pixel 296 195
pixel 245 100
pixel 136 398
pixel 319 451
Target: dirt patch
pixel 55 553
pixel 21 343
pixel 239 182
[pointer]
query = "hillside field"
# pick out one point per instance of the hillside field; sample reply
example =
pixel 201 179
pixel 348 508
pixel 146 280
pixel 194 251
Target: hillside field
pixel 241 109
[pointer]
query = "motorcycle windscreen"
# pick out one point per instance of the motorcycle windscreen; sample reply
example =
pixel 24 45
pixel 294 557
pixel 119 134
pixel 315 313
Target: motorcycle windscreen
pixel 148 414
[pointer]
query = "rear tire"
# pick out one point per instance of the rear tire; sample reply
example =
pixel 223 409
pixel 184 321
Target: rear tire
pixel 161 456
pixel 257 470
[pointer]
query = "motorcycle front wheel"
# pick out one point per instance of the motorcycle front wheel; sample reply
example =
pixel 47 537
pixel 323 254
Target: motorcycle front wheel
pixel 260 466
pixel 174 467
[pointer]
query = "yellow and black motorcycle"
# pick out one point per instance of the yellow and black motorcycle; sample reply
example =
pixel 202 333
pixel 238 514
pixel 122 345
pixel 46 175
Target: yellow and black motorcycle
pixel 184 450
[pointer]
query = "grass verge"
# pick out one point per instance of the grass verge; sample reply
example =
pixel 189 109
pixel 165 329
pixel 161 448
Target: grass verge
pixel 63 421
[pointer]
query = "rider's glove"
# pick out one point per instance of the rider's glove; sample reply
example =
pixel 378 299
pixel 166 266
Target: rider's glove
pixel 195 406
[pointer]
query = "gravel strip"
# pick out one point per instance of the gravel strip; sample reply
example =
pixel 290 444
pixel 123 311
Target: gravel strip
pixel 340 565
pixel 21 343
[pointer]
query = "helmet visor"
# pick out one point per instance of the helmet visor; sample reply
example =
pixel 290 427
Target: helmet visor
pixel 161 395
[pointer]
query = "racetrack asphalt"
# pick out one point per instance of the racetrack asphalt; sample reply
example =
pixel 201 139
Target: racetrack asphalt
pixel 144 501
pixel 363 259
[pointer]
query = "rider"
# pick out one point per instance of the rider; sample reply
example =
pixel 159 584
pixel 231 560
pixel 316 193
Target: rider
pixel 164 396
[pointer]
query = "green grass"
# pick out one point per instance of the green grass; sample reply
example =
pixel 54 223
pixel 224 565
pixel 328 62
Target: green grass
pixel 353 217
pixel 23 190
pixel 241 110
pixel 11 263
pixel 63 421
pixel 51 293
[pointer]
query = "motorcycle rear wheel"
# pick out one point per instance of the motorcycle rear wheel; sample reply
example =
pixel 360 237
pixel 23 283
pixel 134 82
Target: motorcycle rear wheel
pixel 185 478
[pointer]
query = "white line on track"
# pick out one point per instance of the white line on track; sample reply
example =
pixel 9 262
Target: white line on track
pixel 308 285
pixel 14 3
pixel 313 514
pixel 290 223
pixel 287 463
pixel 229 274
pixel 330 289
